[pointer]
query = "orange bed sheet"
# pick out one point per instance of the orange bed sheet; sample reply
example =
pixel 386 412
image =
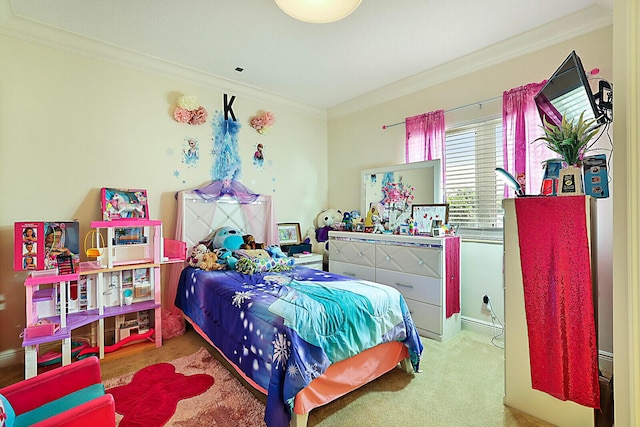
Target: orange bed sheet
pixel 341 377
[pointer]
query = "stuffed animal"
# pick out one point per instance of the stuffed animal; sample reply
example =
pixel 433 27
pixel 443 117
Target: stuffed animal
pixel 318 236
pixel 275 251
pixel 250 243
pixel 196 254
pixel 226 258
pixel 210 262
pixel 227 237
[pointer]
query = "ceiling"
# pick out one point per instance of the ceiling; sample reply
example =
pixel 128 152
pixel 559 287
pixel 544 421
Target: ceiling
pixel 320 65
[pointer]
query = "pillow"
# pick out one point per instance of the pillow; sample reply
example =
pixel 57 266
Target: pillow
pixel 261 265
pixel 7 415
pixel 251 254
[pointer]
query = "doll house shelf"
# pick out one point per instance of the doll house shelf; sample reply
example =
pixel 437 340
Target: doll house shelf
pixel 97 290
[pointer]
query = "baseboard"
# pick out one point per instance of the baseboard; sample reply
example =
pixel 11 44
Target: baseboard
pixel 605 358
pixel 480 326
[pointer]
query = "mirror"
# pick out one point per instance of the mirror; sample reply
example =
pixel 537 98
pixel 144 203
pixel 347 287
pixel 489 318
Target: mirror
pixel 421 181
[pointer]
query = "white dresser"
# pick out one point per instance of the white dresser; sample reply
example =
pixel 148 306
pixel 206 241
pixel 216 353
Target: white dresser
pixel 419 267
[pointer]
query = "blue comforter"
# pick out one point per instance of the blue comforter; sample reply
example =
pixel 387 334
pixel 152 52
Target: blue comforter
pixel 284 329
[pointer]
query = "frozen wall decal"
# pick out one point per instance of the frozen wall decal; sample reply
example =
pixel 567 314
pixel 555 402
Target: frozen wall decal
pixel 258 156
pixel 191 153
pixel 226 163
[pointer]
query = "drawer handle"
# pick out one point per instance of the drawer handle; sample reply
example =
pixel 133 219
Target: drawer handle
pixel 388 257
pixel 359 253
pixel 420 262
pixel 346 273
pixel 402 285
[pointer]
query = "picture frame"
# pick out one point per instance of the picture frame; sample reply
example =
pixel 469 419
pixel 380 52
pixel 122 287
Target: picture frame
pixel 424 215
pixel 289 233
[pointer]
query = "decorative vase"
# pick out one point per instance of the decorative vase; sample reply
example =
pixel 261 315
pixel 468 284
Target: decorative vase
pixel 570 181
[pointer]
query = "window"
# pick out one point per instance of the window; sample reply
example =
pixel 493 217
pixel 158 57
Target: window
pixel 473 191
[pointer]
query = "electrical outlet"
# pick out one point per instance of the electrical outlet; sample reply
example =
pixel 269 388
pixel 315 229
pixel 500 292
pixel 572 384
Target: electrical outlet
pixel 486 303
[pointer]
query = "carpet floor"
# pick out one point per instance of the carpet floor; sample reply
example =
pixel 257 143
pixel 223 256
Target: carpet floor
pixel 462 385
pixel 225 403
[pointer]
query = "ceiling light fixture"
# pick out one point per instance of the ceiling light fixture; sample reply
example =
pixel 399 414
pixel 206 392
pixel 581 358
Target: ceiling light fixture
pixel 318 11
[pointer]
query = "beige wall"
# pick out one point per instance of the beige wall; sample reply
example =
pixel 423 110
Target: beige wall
pixel 71 124
pixel 357 141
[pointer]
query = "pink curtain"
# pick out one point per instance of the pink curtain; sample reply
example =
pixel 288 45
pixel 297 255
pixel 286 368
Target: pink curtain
pixel 520 127
pixel 452 254
pixel 425 137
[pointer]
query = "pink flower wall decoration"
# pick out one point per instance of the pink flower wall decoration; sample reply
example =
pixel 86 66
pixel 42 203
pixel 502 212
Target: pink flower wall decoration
pixel 262 122
pixel 189 111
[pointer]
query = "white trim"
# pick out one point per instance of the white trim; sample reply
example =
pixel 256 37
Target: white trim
pixel 480 326
pixel 14 26
pixel 582 22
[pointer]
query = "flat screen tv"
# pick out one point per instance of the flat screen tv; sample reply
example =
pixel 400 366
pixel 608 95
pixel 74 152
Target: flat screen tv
pixel 567 93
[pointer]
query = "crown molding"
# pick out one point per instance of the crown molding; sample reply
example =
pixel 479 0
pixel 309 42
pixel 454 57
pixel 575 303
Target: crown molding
pixel 14 26
pixel 582 22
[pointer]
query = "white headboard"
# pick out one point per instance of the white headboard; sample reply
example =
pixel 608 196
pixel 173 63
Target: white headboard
pixel 199 217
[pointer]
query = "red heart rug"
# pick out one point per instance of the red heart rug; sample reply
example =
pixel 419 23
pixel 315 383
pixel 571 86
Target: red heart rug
pixel 152 396
pixel 224 403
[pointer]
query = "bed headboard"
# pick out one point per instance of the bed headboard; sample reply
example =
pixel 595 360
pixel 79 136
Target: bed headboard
pixel 200 216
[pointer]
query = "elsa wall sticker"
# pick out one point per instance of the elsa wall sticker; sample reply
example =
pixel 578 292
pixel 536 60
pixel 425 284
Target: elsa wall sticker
pixel 191 153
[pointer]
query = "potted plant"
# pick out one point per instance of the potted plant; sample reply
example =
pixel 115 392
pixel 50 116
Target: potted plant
pixel 570 140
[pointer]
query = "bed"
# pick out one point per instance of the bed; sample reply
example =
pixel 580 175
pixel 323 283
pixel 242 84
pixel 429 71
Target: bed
pixel 303 337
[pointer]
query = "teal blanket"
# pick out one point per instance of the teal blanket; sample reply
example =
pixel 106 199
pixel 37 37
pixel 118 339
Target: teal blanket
pixel 343 318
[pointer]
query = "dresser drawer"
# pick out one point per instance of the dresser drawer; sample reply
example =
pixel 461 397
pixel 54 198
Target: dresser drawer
pixel 352 270
pixel 352 252
pixel 419 288
pixel 410 259
pixel 426 316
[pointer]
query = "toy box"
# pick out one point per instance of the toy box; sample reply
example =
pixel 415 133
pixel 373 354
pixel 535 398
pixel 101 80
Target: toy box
pixel 119 203
pixel 596 181
pixel 37 244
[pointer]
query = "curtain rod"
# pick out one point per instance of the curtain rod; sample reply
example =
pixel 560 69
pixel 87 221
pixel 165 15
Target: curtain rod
pixel 479 103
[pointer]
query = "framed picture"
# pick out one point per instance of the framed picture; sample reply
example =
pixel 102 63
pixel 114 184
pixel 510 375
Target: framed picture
pixel 289 233
pixel 424 215
pixel 119 203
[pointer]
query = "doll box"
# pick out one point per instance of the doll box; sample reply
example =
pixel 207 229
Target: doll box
pixel 118 203
pixel 37 244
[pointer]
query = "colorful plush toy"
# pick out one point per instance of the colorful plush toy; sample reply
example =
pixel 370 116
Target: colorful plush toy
pixel 276 251
pixel 227 237
pixel 210 262
pixel 196 254
pixel 226 258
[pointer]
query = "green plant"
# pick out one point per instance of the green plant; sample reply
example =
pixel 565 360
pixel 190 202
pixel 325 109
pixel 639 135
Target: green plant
pixel 570 139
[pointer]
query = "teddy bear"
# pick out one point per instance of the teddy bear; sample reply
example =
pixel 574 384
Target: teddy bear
pixel 318 237
pixel 196 254
pixel 210 262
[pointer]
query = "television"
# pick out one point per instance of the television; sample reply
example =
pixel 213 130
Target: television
pixel 567 93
